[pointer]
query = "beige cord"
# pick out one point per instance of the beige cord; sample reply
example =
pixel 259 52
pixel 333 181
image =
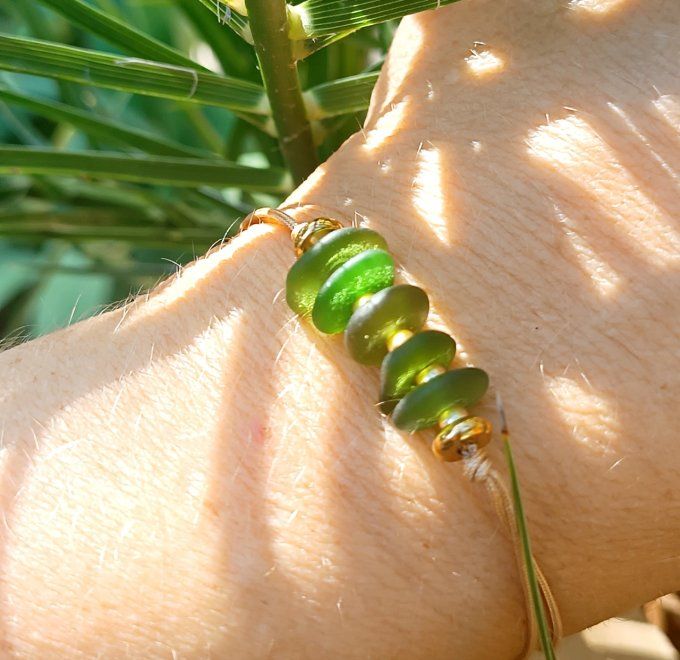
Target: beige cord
pixel 477 467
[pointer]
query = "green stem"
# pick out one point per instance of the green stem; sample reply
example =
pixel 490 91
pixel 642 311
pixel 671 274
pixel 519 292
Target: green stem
pixel 269 26
pixel 527 555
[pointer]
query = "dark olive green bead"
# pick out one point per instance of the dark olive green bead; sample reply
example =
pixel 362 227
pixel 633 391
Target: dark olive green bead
pixel 401 367
pixel 312 269
pixel 367 272
pixel 423 406
pixel 402 307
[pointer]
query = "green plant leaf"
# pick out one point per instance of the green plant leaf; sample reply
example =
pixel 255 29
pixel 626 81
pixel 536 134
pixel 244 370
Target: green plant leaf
pixel 341 96
pixel 94 216
pixel 67 225
pixel 18 271
pixel 44 58
pixel 305 47
pixel 235 55
pixel 192 172
pixel 107 194
pixel 126 37
pixel 317 18
pixel 106 129
pixel 63 298
pixel 226 16
pixel 135 42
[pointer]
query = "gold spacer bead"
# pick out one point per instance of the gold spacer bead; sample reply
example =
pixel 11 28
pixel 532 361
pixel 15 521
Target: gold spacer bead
pixel 398 338
pixel 452 415
pixel 455 439
pixel 429 373
pixel 306 234
pixel 362 300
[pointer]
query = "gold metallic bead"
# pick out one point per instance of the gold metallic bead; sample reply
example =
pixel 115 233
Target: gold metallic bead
pixel 306 234
pixel 362 300
pixel 429 373
pixel 398 338
pixel 468 434
pixel 452 415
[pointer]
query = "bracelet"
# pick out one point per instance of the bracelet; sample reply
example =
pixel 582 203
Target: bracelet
pixel 343 280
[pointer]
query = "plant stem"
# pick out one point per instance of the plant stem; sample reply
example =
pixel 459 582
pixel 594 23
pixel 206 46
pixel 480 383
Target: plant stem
pixel 527 555
pixel 269 26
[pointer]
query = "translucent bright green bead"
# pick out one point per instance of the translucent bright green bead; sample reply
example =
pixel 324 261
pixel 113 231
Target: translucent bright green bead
pixel 401 367
pixel 423 406
pixel 312 269
pixel 367 272
pixel 402 307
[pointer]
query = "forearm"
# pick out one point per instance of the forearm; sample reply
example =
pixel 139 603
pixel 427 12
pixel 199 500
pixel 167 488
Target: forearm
pixel 219 479
pixel 121 481
pixel 235 472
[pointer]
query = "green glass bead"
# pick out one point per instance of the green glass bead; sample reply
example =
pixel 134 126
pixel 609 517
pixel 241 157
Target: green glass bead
pixel 367 272
pixel 423 406
pixel 312 269
pixel 401 367
pixel 402 307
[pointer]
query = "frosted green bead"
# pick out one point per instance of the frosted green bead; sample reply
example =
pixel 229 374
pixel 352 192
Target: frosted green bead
pixel 400 367
pixel 423 406
pixel 312 269
pixel 402 307
pixel 367 272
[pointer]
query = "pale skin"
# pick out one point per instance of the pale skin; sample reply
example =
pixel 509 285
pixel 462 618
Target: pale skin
pixel 198 474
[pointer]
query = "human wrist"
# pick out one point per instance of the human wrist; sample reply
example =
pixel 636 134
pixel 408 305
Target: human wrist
pixel 565 430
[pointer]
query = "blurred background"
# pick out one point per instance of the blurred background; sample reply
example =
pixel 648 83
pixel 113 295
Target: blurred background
pixel 70 246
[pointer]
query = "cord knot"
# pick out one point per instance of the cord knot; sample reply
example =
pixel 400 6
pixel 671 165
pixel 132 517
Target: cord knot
pixel 476 464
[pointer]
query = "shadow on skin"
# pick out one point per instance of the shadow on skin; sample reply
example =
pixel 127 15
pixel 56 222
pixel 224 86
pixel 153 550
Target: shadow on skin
pixel 165 329
pixel 503 206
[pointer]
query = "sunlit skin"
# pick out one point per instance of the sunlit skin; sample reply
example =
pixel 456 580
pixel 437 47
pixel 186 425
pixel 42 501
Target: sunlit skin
pixel 199 474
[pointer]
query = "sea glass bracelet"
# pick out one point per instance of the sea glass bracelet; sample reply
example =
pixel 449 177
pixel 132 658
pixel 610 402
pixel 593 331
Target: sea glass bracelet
pixel 344 282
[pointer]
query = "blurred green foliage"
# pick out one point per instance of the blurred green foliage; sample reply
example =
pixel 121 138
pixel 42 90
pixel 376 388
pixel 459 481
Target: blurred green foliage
pixel 71 245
